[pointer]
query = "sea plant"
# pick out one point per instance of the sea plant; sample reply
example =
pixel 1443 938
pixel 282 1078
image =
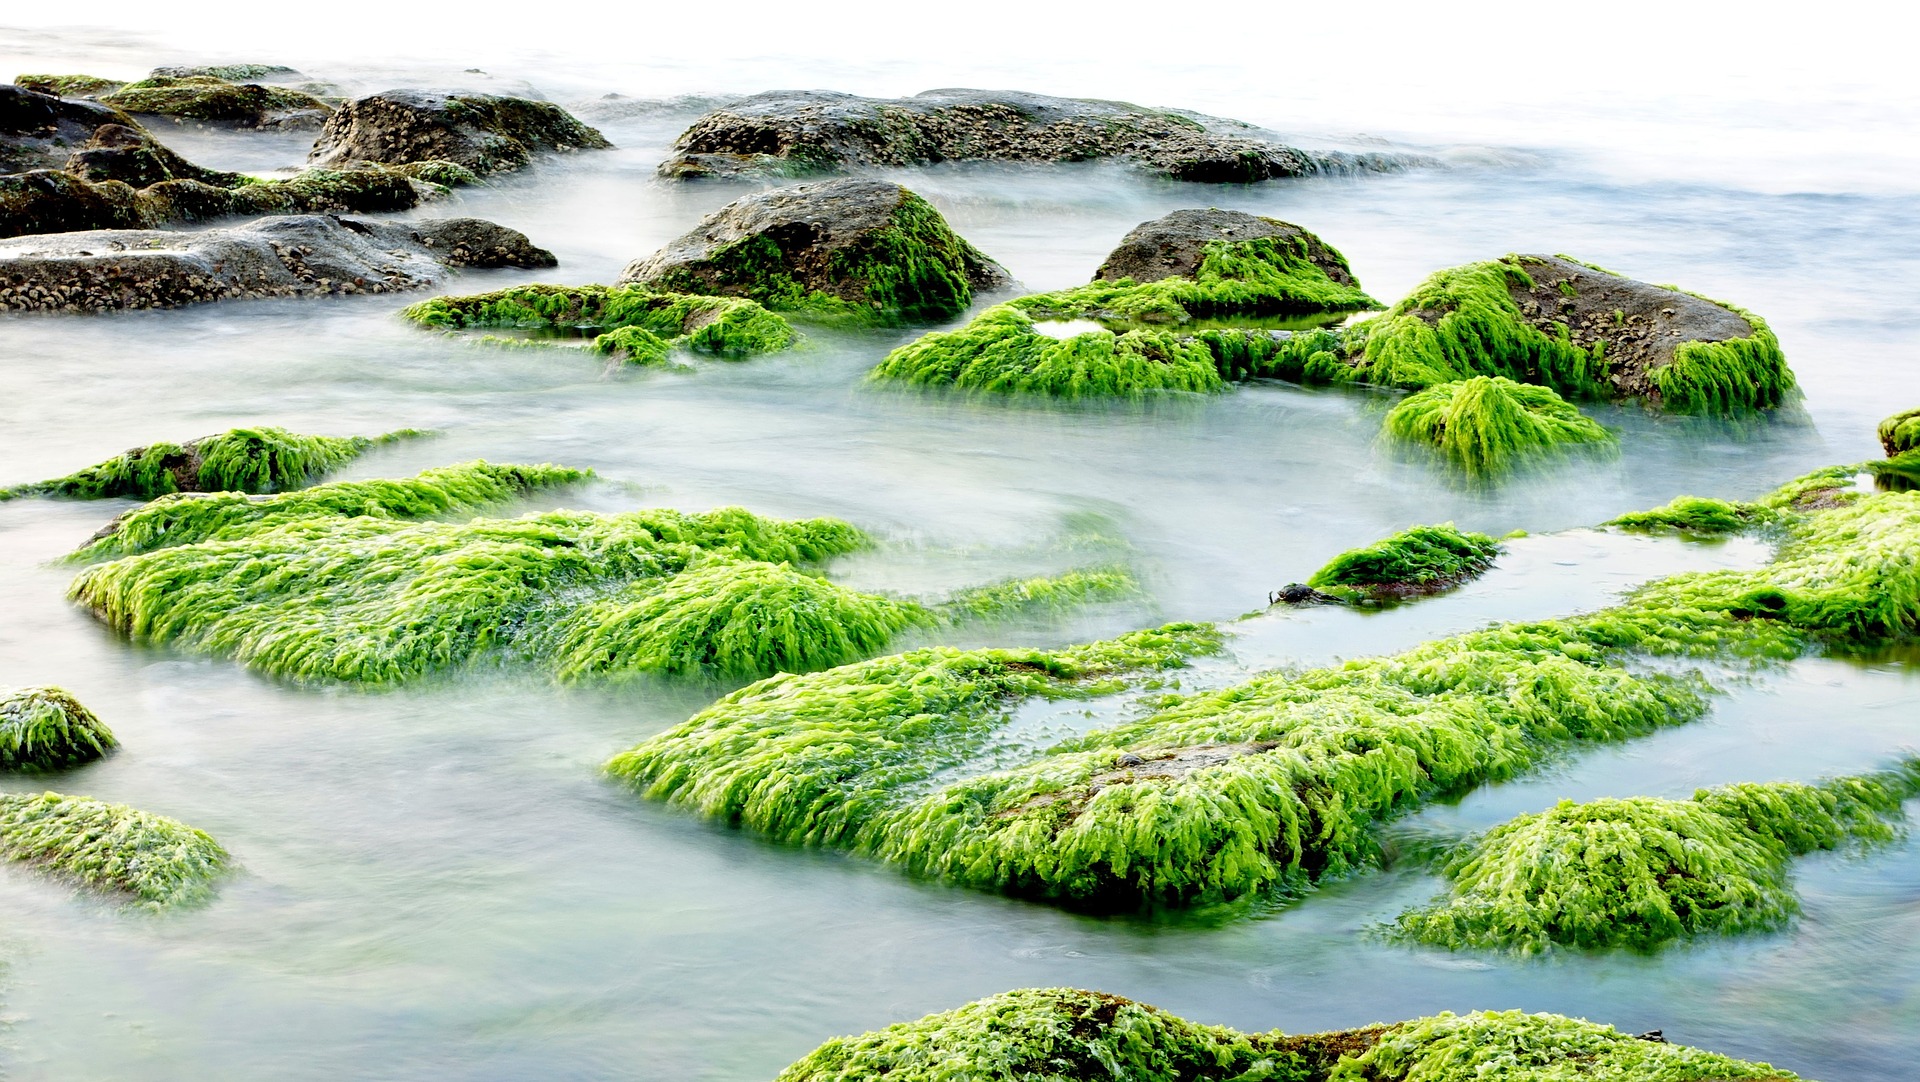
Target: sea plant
pixel 46 728
pixel 1641 872
pixel 634 322
pixel 251 460
pixel 1487 424
pixel 1900 433
pixel 1414 562
pixel 149 859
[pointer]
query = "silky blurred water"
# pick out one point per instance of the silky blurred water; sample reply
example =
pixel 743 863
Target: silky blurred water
pixel 436 883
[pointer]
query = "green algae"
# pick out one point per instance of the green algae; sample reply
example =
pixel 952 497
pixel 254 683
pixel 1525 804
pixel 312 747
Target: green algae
pixel 1512 1046
pixel 1900 433
pixel 638 323
pixel 1696 515
pixel 46 728
pixel 438 171
pixel 1418 561
pixel 210 98
pixel 67 86
pixel 1640 872
pixel 1278 782
pixel 1051 594
pixel 914 269
pixel 251 460
pixel 152 860
pixel 1070 1035
pixel 1488 424
pixel 1150 349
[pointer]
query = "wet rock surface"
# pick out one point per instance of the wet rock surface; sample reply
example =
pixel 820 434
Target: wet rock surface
pixel 863 242
pixel 483 132
pixel 822 131
pixel 1642 324
pixel 134 157
pixel 285 256
pixel 211 100
pixel 1175 244
pixel 39 131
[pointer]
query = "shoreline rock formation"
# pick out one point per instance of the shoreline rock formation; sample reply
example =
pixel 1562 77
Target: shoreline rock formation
pixel 483 133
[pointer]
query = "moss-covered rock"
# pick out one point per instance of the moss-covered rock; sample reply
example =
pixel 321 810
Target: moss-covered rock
pixel 365 589
pixel 1231 263
pixel 1486 425
pixel 1584 332
pixel 1070 1035
pixel 210 99
pixel 251 460
pixel 68 86
pixel 283 256
pixel 233 73
pixel 633 322
pixel 1900 433
pixel 145 858
pixel 1641 872
pixel 859 250
pixel 791 133
pixel 46 728
pixel 482 133
pixel 1276 782
pixel 1418 562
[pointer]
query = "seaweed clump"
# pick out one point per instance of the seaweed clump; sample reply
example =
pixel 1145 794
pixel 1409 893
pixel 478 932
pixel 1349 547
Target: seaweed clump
pixel 1417 562
pixel 642 325
pixel 252 460
pixel 46 728
pixel 1487 424
pixel 1640 872
pixel 153 860
pixel 1070 1035
pixel 1275 783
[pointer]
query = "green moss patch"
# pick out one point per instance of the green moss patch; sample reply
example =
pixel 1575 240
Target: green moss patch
pixel 1264 276
pixel 1488 424
pixel 208 98
pixel 1271 784
pixel 46 728
pixel 150 859
pixel 67 86
pixel 1070 1035
pixel 360 588
pixel 1641 872
pixel 1412 563
pixel 1900 433
pixel 637 323
pixel 1696 515
pixel 252 460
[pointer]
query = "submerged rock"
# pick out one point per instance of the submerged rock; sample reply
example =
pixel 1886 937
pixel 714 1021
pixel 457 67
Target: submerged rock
pixel 1069 1035
pixel 637 323
pixel 1277 782
pixel 252 460
pixel 1641 872
pixel 213 100
pixel 1419 562
pixel 480 132
pixel 39 131
pixel 862 249
pixel 293 255
pixel 797 132
pixel 46 728
pixel 149 859
pixel 1584 332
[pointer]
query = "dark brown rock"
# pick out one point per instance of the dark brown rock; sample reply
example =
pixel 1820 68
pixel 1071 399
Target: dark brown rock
pixel 1174 245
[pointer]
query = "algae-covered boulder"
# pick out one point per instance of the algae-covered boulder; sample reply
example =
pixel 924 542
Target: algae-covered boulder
pixel 46 728
pixel 148 859
pixel 1183 243
pixel 68 86
pixel 367 587
pixel 251 460
pixel 38 131
pixel 294 255
pixel 483 133
pixel 1900 433
pixel 1070 1035
pixel 1272 784
pixel 1582 331
pixel 861 249
pixel 233 73
pixel 1419 562
pixel 53 201
pixel 633 322
pixel 135 158
pixel 213 100
pixel 787 133
pixel 1487 424
pixel 1641 872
